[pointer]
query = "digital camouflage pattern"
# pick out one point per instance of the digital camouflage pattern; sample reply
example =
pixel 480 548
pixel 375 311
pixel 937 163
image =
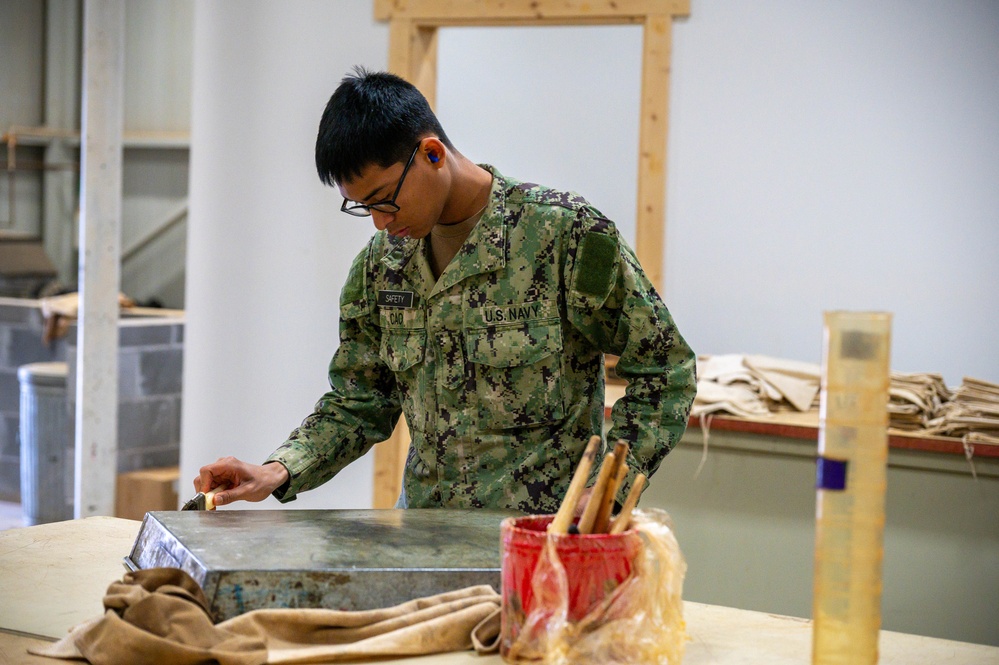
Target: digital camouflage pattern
pixel 498 365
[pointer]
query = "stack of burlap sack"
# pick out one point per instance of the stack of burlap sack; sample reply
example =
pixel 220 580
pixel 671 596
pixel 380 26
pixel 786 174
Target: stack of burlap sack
pixel 972 413
pixel 915 399
pixel 755 386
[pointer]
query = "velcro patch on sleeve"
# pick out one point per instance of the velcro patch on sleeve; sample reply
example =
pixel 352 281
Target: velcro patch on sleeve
pixel 353 295
pixel 596 267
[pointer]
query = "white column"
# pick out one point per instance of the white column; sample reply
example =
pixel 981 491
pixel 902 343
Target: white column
pixel 100 248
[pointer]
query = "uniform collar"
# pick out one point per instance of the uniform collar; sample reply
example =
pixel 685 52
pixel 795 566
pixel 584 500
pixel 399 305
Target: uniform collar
pixel 485 249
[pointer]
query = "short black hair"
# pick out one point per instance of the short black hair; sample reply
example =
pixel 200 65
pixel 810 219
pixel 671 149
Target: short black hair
pixel 372 118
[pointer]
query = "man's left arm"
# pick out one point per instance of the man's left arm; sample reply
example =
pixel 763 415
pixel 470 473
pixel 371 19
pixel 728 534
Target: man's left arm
pixel 615 306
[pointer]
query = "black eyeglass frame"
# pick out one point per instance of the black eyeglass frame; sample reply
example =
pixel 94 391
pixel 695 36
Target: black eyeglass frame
pixel 388 205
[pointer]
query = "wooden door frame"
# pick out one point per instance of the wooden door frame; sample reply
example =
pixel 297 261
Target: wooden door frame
pixel 413 32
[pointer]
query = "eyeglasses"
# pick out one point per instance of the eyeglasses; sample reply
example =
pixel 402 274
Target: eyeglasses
pixel 388 205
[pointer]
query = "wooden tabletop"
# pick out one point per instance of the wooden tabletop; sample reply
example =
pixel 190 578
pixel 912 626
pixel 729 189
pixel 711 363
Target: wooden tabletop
pixel 53 576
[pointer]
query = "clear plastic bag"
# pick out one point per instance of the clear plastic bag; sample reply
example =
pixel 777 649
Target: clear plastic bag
pixel 595 599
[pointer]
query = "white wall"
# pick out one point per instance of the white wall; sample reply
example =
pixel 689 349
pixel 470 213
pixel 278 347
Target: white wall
pixel 822 155
pixel 569 122
pixel 837 155
pixel 267 246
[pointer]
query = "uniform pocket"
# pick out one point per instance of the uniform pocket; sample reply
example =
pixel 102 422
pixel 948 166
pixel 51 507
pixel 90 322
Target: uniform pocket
pixel 401 349
pixel 404 338
pixel 518 375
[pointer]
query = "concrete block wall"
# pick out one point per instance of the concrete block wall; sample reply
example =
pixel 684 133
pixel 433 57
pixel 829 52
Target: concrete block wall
pixel 21 326
pixel 150 367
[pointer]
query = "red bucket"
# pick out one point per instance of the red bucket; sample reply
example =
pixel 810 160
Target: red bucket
pixel 595 564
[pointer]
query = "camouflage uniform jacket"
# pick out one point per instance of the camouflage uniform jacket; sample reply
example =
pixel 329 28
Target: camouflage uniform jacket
pixel 498 365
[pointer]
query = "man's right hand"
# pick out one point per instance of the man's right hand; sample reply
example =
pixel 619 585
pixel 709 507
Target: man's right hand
pixel 246 482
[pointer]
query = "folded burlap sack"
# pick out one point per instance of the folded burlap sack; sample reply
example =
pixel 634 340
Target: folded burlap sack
pixel 59 311
pixel 160 615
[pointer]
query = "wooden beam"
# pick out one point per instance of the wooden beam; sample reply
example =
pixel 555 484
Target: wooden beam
pixel 423 62
pixel 413 56
pixel 400 31
pixel 650 227
pixel 566 11
pixel 100 244
pixel 390 462
pixel 388 469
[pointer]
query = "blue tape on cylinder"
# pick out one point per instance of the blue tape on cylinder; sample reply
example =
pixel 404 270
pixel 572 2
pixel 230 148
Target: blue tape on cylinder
pixel 830 474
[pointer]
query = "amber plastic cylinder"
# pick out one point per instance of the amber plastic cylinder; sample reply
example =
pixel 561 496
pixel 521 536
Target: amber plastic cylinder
pixel 850 484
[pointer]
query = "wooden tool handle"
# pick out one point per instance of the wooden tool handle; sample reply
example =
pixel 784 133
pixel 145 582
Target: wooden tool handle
pixel 623 520
pixel 607 503
pixel 568 508
pixel 610 493
pixel 210 495
pixel 593 504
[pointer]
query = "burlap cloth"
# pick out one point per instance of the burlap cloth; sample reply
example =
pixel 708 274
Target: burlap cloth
pixel 60 311
pixel 160 615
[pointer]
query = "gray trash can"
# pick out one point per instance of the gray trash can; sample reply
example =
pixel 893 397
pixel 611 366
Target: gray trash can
pixel 46 453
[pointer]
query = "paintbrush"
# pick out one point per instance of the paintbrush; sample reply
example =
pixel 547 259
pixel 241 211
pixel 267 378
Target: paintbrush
pixel 204 500
pixel 568 508
pixel 606 505
pixel 623 519
pixel 599 488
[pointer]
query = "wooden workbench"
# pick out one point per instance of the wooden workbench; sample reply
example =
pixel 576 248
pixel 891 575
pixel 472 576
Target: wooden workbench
pixel 53 576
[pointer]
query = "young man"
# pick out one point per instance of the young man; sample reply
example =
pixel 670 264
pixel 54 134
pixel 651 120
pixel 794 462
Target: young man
pixel 482 309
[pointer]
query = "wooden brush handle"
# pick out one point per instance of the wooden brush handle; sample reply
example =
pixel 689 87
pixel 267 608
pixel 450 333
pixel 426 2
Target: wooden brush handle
pixel 210 495
pixel 607 503
pixel 593 504
pixel 623 520
pixel 563 519
pixel 610 493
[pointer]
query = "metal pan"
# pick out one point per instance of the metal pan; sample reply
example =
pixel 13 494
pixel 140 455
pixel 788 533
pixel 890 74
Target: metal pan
pixel 337 559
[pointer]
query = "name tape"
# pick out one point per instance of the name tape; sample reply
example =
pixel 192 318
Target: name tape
pixel 402 299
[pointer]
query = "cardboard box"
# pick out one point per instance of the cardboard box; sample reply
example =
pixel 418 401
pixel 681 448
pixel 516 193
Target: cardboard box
pixel 139 492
